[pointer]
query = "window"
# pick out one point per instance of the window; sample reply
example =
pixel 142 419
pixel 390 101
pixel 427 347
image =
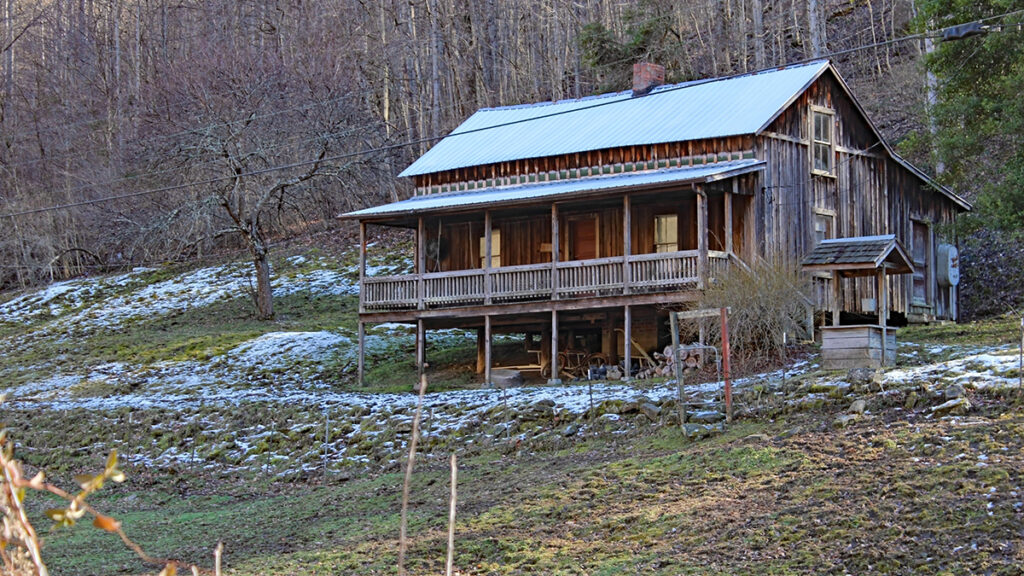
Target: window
pixel 495 249
pixel 822 141
pixel 824 225
pixel 666 232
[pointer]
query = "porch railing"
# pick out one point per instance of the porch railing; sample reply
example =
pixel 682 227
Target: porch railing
pixel 575 279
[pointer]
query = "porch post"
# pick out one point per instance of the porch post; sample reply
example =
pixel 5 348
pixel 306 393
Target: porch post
pixel 883 307
pixel 487 258
pixel 627 344
pixel 728 217
pixel 487 350
pixel 627 247
pixel 361 371
pixel 554 257
pixel 554 349
pixel 421 263
pixel 837 290
pixel 702 237
pixel 362 265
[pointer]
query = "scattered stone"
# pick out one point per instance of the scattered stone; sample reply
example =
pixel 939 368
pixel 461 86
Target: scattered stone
pixel 571 430
pixel 696 431
pixel 858 407
pixel 652 411
pixel 629 407
pixel 790 433
pixel 757 438
pixel 911 400
pixel 705 416
pixel 614 373
pixel 844 420
pixel 954 391
pixel 955 406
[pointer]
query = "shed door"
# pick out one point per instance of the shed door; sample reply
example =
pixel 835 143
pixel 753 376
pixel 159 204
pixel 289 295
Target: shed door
pixel 921 272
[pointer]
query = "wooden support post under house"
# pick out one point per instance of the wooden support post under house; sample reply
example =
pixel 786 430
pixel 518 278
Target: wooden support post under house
pixel 627 344
pixel 480 352
pixel 361 371
pixel 487 350
pixel 421 347
pixel 554 349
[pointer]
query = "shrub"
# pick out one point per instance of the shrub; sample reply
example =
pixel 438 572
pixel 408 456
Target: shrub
pixel 766 300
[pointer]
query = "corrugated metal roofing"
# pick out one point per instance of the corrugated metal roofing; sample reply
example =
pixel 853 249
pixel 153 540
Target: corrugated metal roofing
pixel 529 192
pixel 859 254
pixel 674 113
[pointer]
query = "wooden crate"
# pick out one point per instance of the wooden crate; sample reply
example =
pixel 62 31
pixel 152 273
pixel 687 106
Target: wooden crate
pixel 860 346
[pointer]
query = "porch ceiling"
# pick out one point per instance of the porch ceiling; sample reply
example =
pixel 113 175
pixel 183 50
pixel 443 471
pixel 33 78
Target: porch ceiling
pixel 566 189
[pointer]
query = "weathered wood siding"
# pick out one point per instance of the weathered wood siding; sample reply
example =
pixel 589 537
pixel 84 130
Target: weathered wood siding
pixel 868 193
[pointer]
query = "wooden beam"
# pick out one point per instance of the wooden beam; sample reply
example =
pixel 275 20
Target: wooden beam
pixel 883 308
pixel 421 347
pixel 362 262
pixel 481 366
pixel 554 348
pixel 544 306
pixel 487 256
pixel 487 351
pixel 702 237
pixel 627 248
pixel 728 216
pixel 421 262
pixel 361 370
pixel 836 295
pixel 627 344
pixel 554 254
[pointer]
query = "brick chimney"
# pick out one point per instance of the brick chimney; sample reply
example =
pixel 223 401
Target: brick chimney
pixel 647 76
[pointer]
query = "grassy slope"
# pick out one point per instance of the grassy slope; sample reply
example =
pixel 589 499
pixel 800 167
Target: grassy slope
pixel 783 493
pixel 897 492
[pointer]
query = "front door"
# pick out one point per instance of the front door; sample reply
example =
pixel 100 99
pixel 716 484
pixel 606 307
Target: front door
pixel 583 238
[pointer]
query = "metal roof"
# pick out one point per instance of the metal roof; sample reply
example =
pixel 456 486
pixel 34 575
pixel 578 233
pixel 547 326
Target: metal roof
pixel 712 108
pixel 509 195
pixel 860 256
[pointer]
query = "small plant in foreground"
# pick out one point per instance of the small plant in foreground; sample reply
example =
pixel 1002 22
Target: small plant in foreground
pixel 19 543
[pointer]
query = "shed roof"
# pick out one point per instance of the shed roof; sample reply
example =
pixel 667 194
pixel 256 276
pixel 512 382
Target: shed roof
pixel 860 256
pixel 711 108
pixel 526 193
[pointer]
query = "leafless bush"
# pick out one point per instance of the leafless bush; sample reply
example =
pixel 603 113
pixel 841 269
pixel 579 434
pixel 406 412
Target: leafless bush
pixel 768 300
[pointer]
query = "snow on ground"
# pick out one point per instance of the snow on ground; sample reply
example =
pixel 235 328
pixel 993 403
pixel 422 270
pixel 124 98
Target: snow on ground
pixel 993 367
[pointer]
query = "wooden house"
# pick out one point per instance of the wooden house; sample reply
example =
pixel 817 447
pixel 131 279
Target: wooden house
pixel 583 221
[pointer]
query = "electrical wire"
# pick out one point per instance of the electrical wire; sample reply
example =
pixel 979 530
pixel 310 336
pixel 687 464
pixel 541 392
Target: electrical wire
pixel 429 139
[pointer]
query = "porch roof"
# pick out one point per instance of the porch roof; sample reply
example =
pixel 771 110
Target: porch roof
pixel 564 189
pixel 860 256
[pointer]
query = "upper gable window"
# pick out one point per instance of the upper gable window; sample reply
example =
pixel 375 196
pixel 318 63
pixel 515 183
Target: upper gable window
pixel 823 141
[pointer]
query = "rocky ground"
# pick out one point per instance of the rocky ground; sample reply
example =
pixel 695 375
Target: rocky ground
pixel 911 469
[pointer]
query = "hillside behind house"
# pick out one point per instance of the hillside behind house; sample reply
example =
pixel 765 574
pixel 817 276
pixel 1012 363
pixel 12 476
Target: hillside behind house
pixel 255 433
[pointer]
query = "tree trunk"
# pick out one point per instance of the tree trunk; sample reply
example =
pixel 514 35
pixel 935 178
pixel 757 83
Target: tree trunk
pixel 264 292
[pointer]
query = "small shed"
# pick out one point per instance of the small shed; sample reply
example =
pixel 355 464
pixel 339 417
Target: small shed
pixel 865 345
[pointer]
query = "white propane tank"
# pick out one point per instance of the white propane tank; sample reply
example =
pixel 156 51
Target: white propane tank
pixel 948 269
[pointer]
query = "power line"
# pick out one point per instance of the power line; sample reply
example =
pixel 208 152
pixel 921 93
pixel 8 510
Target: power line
pixel 429 139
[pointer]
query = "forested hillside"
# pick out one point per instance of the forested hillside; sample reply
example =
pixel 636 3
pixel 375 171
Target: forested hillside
pixel 142 131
